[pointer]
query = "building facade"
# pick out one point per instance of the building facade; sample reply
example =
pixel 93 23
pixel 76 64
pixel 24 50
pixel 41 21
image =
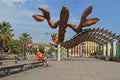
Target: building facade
pixel 84 49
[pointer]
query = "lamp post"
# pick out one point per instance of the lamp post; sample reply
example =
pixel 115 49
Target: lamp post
pixel 46 37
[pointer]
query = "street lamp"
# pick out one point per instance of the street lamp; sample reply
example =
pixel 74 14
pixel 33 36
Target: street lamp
pixel 47 33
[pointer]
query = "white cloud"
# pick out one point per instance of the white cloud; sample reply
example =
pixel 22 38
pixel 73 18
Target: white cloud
pixel 11 2
pixel 22 21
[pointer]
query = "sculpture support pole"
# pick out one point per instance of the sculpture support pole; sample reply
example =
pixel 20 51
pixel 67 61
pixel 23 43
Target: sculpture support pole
pixel 59 50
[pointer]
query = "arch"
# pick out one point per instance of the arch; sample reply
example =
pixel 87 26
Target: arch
pixel 99 36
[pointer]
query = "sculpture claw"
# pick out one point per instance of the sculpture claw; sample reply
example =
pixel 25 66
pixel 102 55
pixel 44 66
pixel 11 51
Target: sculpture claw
pixel 54 37
pixel 45 12
pixel 38 18
pixel 87 12
pixel 89 22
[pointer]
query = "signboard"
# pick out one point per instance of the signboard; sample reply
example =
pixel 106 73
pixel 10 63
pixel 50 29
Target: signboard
pixel 29 44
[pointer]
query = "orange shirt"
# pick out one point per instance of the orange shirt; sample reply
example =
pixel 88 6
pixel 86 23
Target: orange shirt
pixel 38 55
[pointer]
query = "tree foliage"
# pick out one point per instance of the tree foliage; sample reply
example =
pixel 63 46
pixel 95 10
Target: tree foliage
pixel 24 39
pixel 14 46
pixel 52 50
pixel 5 34
pixel 99 52
pixel 41 48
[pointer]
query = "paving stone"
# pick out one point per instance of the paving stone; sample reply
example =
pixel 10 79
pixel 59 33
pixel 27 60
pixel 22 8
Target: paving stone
pixel 82 69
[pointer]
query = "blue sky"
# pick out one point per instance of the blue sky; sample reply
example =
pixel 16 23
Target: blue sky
pixel 19 14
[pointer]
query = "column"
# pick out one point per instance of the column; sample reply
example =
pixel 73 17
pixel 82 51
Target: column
pixel 119 47
pixel 104 50
pixel 107 57
pixel 61 52
pixel 69 52
pixel 86 45
pixel 94 47
pixel 65 53
pixel 114 48
pixel 73 52
pixel 108 49
pixel 88 49
pixel 81 50
pixel 78 49
pixel 58 57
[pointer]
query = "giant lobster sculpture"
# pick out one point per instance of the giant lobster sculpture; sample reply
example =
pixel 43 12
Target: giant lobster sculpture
pixel 63 23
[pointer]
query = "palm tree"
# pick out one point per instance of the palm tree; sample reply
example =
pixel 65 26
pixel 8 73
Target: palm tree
pixel 24 39
pixel 14 46
pixel 5 34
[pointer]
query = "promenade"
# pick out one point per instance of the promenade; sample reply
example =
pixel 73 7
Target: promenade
pixel 83 69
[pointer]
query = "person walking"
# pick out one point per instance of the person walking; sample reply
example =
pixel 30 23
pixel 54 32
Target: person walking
pixel 44 57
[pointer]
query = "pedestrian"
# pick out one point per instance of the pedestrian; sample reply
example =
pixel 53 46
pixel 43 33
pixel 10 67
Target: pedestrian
pixel 44 57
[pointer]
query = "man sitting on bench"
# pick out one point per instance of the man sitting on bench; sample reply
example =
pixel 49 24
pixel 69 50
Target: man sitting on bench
pixel 41 57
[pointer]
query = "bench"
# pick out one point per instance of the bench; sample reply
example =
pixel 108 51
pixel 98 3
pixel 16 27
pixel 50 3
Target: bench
pixel 19 65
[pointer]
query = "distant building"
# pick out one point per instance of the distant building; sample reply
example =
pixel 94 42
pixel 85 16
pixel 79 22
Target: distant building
pixel 90 48
pixel 83 49
pixel 36 44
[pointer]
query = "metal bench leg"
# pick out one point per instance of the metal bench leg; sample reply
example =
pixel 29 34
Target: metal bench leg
pixel 21 68
pixel 7 71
